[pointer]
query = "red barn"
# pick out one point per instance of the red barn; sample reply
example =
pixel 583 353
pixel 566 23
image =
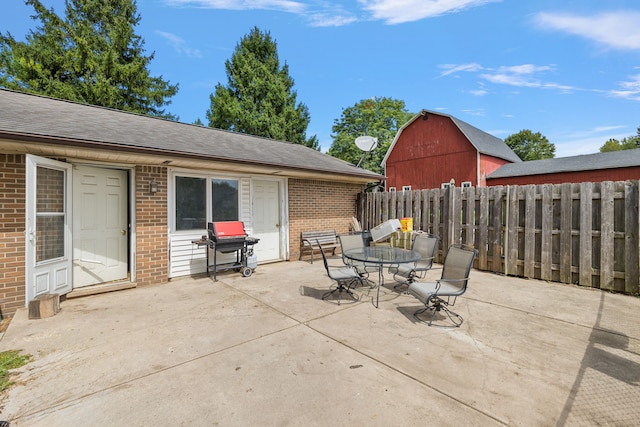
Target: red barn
pixel 433 148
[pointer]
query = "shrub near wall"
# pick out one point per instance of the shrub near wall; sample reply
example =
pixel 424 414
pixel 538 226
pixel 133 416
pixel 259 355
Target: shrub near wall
pixel 12 239
pixel 319 205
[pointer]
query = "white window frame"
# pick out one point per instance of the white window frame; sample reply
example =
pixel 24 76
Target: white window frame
pixel 406 188
pixel 209 214
pixel 466 184
pixel 392 189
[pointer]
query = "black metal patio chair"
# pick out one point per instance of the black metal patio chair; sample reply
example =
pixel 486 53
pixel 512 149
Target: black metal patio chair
pixel 405 274
pixel 344 276
pixel 440 295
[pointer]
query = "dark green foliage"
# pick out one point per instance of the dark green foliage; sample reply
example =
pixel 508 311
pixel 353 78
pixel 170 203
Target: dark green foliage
pixel 380 118
pixel 92 55
pixel 259 98
pixel 531 146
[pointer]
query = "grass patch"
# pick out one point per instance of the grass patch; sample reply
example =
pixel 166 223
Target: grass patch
pixel 11 359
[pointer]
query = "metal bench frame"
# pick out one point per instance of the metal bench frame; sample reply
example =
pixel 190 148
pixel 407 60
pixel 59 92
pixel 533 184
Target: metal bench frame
pixel 309 241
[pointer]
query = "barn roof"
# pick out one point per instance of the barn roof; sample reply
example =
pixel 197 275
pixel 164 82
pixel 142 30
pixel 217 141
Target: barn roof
pixel 37 119
pixel 608 160
pixel 483 142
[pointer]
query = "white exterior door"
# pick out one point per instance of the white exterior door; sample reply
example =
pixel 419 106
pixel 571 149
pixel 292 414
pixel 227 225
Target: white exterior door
pixel 100 226
pixel 48 233
pixel 267 219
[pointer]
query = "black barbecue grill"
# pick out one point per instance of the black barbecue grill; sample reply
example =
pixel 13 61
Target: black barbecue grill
pixel 227 237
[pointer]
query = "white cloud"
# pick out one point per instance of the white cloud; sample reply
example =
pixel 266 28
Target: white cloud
pixel 479 92
pixel 517 75
pixel 607 128
pixel 179 45
pixel 618 30
pixel 400 11
pixel 282 5
pixel 629 89
pixel 331 13
pixel 472 112
pixel 453 68
pixel 523 75
pixel 319 13
pixel 325 20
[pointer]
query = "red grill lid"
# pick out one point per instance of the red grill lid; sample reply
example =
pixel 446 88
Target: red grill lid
pixel 228 229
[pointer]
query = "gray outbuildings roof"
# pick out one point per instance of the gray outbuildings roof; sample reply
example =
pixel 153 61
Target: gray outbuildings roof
pixel 46 122
pixel 608 160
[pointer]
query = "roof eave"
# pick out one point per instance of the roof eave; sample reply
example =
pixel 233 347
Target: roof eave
pixel 98 145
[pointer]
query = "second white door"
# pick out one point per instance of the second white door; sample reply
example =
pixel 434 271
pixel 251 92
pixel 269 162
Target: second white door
pixel 266 219
pixel 100 225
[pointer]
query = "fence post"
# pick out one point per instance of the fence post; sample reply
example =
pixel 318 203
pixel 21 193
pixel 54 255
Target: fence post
pixel 586 234
pixel 606 235
pixel 565 232
pixel 546 232
pixel 529 230
pixel 631 241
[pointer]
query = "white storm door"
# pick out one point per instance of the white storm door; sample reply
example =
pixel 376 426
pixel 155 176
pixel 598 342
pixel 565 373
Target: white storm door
pixel 266 219
pixel 48 233
pixel 100 226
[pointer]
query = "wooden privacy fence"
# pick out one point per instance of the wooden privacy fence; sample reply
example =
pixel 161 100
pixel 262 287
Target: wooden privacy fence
pixel 584 233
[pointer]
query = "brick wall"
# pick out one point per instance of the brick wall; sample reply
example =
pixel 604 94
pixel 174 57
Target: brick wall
pixel 319 205
pixel 152 251
pixel 12 239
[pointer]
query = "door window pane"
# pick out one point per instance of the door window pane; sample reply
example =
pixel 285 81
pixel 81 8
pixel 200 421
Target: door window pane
pixel 191 200
pixel 50 213
pixel 224 199
pixel 49 237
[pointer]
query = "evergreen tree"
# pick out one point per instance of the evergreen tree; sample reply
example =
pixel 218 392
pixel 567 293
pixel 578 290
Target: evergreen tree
pixel 92 55
pixel 380 118
pixel 259 98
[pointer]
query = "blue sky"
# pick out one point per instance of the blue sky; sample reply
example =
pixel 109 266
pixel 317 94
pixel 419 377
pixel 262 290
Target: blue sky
pixel 567 69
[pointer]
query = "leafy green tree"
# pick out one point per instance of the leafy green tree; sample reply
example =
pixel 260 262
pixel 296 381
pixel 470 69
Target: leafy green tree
pixel 378 117
pixel 92 55
pixel 259 98
pixel 531 146
pixel 627 143
pixel 611 145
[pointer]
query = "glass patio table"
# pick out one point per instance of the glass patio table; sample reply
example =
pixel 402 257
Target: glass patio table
pixel 382 256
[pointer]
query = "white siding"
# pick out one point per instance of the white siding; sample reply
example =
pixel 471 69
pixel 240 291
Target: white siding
pixel 245 204
pixel 187 258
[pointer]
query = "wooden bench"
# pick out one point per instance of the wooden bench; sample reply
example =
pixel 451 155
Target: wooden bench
pixel 328 239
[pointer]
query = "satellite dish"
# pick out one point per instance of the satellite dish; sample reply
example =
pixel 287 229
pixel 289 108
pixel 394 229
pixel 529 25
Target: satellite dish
pixel 366 143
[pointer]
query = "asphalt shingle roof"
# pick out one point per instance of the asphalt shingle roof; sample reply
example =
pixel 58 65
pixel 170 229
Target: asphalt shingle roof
pixel 609 160
pixel 57 121
pixel 484 142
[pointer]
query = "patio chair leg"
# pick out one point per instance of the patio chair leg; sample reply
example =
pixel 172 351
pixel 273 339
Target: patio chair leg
pixel 339 289
pixel 450 313
pixel 438 304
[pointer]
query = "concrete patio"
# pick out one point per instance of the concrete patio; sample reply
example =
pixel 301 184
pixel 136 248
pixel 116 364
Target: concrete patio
pixel 266 350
